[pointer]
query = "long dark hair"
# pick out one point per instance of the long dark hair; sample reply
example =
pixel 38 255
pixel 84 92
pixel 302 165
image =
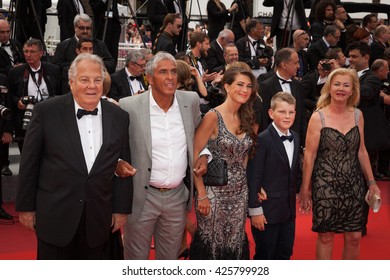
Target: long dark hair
pixel 246 110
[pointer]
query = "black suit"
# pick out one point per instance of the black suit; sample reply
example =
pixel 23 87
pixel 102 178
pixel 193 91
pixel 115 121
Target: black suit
pixel 214 59
pixel 217 19
pixel 156 12
pixel 304 66
pixel 377 50
pixel 269 88
pixel 66 53
pixel 244 52
pixel 113 30
pixel 317 30
pixel 18 81
pixel 277 15
pixel 270 169
pixel 310 92
pixel 5 60
pixel 120 86
pixel 54 181
pixel 316 52
pixel 67 10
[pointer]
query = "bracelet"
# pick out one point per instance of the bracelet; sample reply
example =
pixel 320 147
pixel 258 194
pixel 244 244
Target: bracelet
pixel 203 198
pixel 371 182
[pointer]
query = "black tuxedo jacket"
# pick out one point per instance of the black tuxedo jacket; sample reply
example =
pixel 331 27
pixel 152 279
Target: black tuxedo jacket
pixel 120 85
pixel 377 50
pixel 244 52
pixel 66 53
pixel 269 88
pixel 277 15
pixel 317 30
pixel 316 52
pixel 310 92
pixel 66 11
pixel 5 61
pixel 270 169
pixel 214 59
pixel 18 88
pixel 54 180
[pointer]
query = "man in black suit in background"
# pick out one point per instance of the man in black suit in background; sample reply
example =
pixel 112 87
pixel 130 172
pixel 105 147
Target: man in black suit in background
pixel 215 59
pixel 113 30
pixel 11 51
pixel 129 81
pixel 66 11
pixel 66 192
pixel 35 80
pixel 66 50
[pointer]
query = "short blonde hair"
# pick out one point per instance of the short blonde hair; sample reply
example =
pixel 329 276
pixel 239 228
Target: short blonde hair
pixel 353 100
pixel 282 97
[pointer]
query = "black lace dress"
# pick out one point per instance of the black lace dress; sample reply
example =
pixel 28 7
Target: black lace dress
pixel 337 183
pixel 221 235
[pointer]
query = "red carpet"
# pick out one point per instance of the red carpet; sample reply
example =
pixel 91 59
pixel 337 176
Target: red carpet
pixel 16 243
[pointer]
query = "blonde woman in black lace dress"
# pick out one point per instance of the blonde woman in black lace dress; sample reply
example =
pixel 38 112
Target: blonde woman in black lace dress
pixel 337 167
pixel 221 210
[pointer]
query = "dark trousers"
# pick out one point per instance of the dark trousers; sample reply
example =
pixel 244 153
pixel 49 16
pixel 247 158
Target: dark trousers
pixel 276 242
pixel 282 38
pixel 77 249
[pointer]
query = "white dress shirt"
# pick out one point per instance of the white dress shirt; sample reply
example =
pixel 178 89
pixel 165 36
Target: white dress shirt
pixel 285 86
pixel 135 85
pixel 289 146
pixel 169 145
pixel 39 91
pixel 91 134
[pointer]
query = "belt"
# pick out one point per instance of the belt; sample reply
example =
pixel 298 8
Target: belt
pixel 160 189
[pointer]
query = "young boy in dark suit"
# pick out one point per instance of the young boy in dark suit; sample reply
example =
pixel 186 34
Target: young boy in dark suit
pixel 273 175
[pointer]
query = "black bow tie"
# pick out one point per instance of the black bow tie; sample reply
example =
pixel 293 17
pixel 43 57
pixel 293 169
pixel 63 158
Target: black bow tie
pixel 289 137
pixel 134 78
pixel 255 42
pixel 6 45
pixel 285 81
pixel 82 112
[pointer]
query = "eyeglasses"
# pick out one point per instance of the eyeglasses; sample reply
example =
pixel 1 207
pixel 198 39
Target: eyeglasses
pixel 30 51
pixel 140 65
pixel 179 26
pixel 83 28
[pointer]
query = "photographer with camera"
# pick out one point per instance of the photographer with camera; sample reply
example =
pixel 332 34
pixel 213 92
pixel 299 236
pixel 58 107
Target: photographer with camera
pixel 6 136
pixel 30 83
pixel 252 49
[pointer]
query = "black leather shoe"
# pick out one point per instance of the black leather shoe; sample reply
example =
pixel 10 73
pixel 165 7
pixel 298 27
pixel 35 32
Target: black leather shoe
pixel 4 215
pixel 6 171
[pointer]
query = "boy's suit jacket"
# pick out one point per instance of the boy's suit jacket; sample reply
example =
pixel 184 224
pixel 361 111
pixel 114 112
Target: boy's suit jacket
pixel 270 169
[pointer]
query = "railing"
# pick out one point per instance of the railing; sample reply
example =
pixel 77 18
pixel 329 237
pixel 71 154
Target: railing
pixel 123 50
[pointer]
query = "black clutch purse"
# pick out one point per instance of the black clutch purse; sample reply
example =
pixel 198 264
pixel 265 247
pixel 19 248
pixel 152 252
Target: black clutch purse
pixel 217 174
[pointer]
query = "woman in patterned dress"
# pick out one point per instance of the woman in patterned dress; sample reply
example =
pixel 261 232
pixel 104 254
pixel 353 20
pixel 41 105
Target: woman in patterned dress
pixel 221 210
pixel 335 161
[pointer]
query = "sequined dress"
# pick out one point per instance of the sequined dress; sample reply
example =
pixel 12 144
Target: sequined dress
pixel 221 235
pixel 337 183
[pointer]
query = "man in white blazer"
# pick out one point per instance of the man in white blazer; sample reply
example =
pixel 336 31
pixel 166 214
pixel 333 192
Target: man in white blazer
pixel 162 125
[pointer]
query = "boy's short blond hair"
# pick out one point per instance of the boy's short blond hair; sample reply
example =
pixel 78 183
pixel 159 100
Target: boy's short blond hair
pixel 280 97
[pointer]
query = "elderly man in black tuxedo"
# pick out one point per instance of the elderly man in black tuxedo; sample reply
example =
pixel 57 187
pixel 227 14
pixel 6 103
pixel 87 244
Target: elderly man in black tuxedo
pixel 129 81
pixel 11 51
pixel 66 192
pixel 215 56
pixel 66 50
pixel 30 83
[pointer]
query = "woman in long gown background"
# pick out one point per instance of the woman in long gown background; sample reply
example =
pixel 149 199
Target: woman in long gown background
pixel 335 161
pixel 221 210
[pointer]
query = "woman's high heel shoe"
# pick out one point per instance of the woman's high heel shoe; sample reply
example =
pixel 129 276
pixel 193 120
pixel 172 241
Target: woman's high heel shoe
pixel 185 254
